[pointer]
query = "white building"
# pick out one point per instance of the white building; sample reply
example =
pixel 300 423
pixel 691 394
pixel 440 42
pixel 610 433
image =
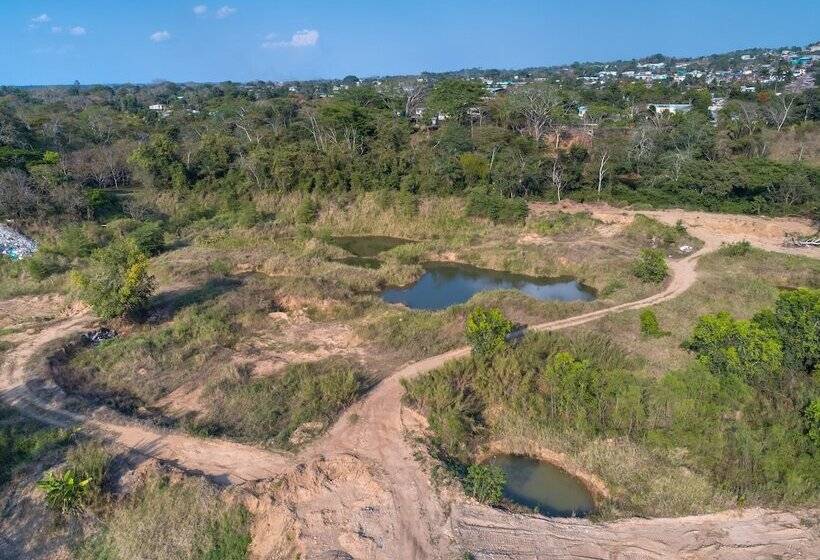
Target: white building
pixel 671 108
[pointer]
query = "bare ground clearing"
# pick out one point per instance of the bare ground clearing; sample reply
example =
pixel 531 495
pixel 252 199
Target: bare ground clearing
pixel 360 489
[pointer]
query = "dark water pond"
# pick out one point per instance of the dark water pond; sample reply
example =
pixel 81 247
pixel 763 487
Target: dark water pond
pixel 368 245
pixel 446 284
pixel 543 487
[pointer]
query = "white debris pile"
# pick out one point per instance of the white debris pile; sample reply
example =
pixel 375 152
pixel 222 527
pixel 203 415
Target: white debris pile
pixel 15 244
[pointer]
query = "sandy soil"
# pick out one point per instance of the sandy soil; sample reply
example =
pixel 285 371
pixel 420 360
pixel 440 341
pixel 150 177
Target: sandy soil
pixel 361 491
pixel 760 231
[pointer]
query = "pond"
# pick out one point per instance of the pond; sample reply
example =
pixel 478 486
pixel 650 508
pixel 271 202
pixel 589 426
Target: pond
pixel 368 245
pixel 543 487
pixel 446 284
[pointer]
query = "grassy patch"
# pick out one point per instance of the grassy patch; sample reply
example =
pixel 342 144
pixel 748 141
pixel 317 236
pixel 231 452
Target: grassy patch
pixel 563 223
pixel 16 280
pixel 656 235
pixel 271 409
pixel 155 359
pixel 184 520
pixel 24 441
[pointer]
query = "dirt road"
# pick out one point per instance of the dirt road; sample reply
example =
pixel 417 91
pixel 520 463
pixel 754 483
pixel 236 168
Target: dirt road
pixel 360 489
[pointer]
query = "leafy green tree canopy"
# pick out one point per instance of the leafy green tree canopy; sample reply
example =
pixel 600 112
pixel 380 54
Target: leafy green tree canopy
pixel 487 330
pixel 117 281
pixel 453 97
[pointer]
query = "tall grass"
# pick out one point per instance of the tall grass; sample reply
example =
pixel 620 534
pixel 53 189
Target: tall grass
pixel 24 441
pixel 184 520
pixel 269 410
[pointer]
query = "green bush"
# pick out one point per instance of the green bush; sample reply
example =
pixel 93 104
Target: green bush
pixel 149 238
pixel 487 330
pixel 497 208
pixel 651 266
pixel 812 418
pixel 485 483
pixel 65 492
pixel 738 249
pixel 737 349
pixel 649 324
pixel 307 211
pixel 74 243
pixel 117 281
pixel 43 264
pixel 90 461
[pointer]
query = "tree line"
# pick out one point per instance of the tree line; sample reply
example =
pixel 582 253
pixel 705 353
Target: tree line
pixel 72 152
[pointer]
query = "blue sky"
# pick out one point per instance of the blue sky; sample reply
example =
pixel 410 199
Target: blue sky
pixel 113 41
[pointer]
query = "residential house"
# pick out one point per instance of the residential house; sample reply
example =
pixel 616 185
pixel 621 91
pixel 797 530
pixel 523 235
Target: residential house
pixel 671 108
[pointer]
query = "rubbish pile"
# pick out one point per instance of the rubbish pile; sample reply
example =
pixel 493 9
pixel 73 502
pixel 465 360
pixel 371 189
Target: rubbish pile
pixel 100 335
pixel 14 244
pixel 795 240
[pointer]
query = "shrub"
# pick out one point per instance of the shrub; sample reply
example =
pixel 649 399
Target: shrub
pixel 812 419
pixel 74 243
pixel 738 249
pixel 90 461
pixel 117 282
pixel 43 264
pixel 796 317
pixel 651 266
pixel 485 483
pixel 484 204
pixel 65 492
pixel 149 238
pixel 649 324
pixel 307 211
pixel 741 350
pixel 487 330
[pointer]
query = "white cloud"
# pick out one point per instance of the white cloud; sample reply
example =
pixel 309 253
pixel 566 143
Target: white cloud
pixel 56 29
pixel 77 30
pixel 200 10
pixel 42 18
pixel 305 38
pixel 225 11
pixel 159 36
pixel 300 39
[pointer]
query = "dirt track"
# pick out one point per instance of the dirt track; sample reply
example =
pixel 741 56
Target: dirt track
pixel 359 488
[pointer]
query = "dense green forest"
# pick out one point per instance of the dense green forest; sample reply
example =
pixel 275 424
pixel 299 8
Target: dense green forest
pixel 100 152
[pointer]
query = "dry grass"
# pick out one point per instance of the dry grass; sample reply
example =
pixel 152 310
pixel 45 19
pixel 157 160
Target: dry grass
pixel 183 520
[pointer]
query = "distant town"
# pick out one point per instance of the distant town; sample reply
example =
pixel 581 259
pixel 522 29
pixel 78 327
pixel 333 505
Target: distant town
pixel 736 74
